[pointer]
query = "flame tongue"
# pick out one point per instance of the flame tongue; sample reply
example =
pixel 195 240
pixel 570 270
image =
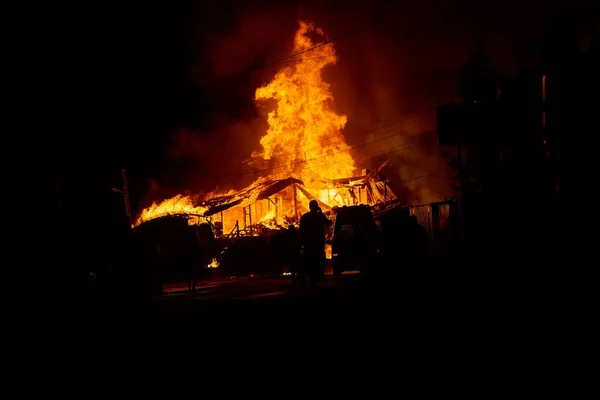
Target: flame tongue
pixel 304 132
pixel 177 205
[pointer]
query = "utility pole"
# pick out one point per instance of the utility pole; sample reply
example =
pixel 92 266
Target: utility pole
pixel 126 195
pixel 459 201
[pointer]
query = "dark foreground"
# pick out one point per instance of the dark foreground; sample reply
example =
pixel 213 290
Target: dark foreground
pixel 402 336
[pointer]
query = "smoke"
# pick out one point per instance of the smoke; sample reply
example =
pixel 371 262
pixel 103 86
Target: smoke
pixel 232 41
pixel 215 160
pixel 396 63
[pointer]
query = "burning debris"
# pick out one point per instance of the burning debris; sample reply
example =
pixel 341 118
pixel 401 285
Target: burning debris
pixel 304 154
pixel 274 204
pixel 214 263
pixel 304 138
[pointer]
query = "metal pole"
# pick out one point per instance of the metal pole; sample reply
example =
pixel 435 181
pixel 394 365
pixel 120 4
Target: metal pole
pixel 126 195
pixel 250 217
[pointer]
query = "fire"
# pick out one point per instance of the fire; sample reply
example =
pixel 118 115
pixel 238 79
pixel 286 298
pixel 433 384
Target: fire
pixel 269 216
pixel 333 197
pixel 174 206
pixel 304 138
pixel 214 263
pixel 272 220
pixel 328 251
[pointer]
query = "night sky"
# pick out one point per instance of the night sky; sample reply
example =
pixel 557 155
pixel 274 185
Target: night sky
pixel 113 82
pixel 123 83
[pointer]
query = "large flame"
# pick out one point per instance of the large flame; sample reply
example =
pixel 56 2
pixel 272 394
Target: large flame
pixel 304 138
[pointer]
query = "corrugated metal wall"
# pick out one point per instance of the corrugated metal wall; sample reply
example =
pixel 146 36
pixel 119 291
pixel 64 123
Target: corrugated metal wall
pixel 437 218
pixel 424 218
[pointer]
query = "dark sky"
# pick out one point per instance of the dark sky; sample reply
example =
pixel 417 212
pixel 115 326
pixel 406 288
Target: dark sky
pixel 116 83
pixel 122 76
pixel 112 81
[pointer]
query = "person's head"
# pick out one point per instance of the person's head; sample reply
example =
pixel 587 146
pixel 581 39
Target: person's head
pixel 291 228
pixel 313 206
pixel 412 220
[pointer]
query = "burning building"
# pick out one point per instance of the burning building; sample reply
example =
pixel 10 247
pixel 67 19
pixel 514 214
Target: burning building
pixel 304 154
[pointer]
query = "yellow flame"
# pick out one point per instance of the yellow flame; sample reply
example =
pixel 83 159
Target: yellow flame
pixel 304 139
pixel 328 251
pixel 214 263
pixel 270 215
pixel 174 206
pixel 333 197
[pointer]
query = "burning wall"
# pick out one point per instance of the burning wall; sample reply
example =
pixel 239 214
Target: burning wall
pixel 277 211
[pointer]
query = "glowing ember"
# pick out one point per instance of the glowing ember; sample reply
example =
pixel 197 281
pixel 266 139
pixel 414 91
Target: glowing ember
pixel 213 264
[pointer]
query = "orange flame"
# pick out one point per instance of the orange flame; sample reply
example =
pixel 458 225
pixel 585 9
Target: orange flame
pixel 174 206
pixel 304 138
pixel 214 263
pixel 304 132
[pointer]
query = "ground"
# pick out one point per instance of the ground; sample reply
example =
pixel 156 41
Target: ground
pixel 406 336
pixel 241 288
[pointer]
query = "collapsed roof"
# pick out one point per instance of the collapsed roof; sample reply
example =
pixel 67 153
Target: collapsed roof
pixel 378 192
pixel 249 195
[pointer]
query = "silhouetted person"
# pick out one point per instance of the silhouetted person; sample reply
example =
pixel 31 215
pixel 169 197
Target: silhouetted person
pixel 417 244
pixel 269 259
pixel 157 264
pixel 312 229
pixel 293 248
pixel 194 261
